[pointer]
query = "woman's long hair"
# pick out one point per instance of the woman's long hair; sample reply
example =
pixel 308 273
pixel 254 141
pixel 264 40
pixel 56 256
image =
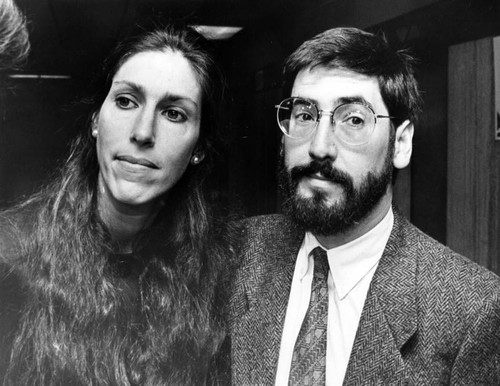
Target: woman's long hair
pixel 84 323
pixel 14 43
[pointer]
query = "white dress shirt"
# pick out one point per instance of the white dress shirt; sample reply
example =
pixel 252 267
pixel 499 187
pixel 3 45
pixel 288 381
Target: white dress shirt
pixel 352 266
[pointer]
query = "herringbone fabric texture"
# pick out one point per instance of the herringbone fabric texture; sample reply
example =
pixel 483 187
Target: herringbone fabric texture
pixel 309 355
pixel 431 317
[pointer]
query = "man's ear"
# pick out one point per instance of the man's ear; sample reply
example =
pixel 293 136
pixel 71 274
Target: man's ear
pixel 403 145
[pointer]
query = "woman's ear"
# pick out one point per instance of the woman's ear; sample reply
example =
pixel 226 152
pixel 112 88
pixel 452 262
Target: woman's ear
pixel 197 157
pixel 403 145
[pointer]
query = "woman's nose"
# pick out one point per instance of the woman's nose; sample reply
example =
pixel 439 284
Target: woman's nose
pixel 143 131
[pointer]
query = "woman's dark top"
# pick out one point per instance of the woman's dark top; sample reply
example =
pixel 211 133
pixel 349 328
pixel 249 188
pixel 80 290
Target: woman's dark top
pixel 12 299
pixel 16 292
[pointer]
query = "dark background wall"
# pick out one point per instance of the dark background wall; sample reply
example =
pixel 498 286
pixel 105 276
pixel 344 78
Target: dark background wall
pixel 254 75
pixel 37 126
pixel 39 115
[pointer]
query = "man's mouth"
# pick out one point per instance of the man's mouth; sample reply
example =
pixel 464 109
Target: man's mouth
pixel 318 176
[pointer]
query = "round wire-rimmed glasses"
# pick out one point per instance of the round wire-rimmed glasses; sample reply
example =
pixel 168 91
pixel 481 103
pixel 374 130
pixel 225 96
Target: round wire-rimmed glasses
pixel 353 122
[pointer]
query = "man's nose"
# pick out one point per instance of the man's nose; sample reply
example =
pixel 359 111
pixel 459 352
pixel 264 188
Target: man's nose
pixel 323 141
pixel 143 131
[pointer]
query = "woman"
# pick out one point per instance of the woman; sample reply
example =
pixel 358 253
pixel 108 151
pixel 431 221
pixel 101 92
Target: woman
pixel 120 258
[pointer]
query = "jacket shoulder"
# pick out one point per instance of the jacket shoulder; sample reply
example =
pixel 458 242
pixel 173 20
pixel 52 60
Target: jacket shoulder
pixel 269 231
pixel 443 274
pixel 440 259
pixel 264 222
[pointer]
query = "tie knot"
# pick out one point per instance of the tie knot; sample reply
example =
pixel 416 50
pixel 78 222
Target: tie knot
pixel 321 266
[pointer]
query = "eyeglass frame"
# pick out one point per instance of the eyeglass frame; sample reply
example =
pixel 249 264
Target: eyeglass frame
pixel 329 113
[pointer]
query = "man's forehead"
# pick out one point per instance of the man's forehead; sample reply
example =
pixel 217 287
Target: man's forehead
pixel 335 83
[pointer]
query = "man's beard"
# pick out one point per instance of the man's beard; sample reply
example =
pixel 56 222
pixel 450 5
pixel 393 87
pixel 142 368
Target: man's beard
pixel 314 214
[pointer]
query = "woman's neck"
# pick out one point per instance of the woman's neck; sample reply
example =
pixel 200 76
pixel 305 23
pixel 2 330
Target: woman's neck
pixel 123 221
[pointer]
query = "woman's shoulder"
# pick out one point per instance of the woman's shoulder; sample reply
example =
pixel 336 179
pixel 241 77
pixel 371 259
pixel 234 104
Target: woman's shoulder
pixel 14 229
pixel 13 289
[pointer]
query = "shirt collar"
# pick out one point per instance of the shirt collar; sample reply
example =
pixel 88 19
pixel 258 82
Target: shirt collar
pixel 350 262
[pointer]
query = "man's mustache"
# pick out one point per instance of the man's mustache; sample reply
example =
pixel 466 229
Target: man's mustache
pixel 325 168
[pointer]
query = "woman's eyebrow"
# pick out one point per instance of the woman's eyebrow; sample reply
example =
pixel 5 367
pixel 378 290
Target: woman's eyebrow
pixel 134 86
pixel 168 96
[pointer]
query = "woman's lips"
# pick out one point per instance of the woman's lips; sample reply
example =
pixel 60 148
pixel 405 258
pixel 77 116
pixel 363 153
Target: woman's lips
pixel 137 161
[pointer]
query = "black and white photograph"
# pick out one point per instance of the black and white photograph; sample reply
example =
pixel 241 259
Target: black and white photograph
pixel 249 192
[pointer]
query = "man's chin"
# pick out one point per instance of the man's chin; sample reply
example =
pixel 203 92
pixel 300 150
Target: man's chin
pixel 327 198
pixel 317 214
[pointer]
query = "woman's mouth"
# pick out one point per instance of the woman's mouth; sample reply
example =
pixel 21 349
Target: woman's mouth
pixel 137 161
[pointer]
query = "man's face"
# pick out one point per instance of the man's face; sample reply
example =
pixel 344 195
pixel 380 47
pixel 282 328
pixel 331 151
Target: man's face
pixel 329 185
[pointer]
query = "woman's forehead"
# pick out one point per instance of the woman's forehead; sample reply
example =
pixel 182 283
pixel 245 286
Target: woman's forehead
pixel 161 72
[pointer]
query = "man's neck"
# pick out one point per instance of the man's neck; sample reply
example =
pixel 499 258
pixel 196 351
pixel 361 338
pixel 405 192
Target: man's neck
pixel 359 229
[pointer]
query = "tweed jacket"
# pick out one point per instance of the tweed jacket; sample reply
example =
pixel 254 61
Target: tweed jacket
pixel 431 316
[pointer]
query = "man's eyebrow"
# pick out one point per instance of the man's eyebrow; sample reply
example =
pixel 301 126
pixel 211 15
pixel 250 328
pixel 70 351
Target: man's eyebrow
pixel 354 99
pixel 166 97
pixel 345 100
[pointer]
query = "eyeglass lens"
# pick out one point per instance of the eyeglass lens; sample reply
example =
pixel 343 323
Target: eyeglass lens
pixel 299 117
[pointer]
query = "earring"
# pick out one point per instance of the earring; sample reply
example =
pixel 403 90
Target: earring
pixel 195 159
pixel 94 133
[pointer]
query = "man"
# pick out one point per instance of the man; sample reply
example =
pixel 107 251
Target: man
pixel 342 289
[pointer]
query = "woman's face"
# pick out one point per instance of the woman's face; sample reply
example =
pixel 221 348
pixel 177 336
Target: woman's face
pixel 147 127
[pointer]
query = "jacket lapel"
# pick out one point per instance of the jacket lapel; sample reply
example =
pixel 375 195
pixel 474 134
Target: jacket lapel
pixel 274 307
pixel 389 316
pixel 257 333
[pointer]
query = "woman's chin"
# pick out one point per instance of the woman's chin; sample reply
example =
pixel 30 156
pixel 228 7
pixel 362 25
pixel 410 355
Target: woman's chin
pixel 131 195
pixel 133 200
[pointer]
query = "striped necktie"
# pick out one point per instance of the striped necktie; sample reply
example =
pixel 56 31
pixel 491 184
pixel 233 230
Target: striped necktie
pixel 309 355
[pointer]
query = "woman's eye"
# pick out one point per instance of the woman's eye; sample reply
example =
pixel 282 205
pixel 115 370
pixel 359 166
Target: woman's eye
pixel 175 115
pixel 125 103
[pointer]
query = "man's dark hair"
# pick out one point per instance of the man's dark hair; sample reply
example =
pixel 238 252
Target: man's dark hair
pixel 365 53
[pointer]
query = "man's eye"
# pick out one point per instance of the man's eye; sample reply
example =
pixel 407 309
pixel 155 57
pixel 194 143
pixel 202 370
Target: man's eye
pixel 175 115
pixel 355 121
pixel 304 117
pixel 124 102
